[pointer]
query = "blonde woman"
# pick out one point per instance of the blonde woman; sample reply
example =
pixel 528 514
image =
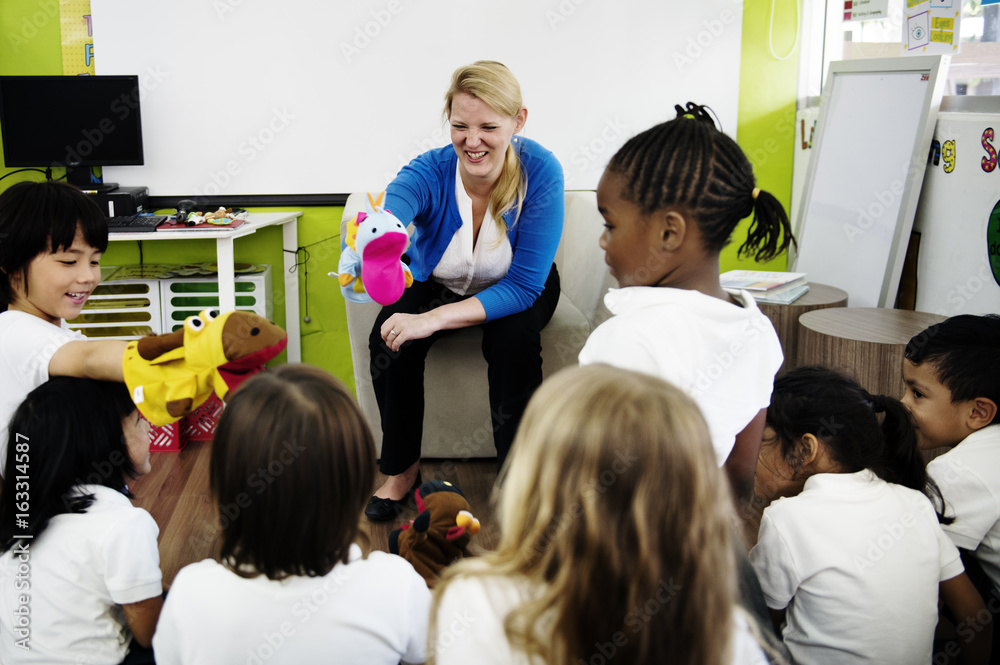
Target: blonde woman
pixel 616 538
pixel 487 213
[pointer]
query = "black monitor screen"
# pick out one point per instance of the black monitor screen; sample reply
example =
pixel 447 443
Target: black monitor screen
pixel 70 120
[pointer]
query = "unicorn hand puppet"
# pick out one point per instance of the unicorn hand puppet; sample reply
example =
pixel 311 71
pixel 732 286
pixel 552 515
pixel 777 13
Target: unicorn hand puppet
pixel 370 266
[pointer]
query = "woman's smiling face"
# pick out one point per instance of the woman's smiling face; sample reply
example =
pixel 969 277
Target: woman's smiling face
pixel 480 137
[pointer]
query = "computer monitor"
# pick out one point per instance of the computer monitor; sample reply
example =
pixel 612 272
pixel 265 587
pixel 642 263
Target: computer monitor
pixel 76 122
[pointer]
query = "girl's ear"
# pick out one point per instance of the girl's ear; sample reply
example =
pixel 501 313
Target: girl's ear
pixel 808 449
pixel 673 229
pixel 984 410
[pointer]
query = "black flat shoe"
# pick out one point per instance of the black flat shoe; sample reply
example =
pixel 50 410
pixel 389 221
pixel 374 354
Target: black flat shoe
pixel 383 510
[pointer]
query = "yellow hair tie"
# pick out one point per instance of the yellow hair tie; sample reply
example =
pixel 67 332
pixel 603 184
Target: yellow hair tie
pixel 755 192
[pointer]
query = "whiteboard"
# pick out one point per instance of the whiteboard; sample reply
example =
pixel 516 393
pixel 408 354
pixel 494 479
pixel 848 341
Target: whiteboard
pixel 868 158
pixel 958 271
pixel 311 96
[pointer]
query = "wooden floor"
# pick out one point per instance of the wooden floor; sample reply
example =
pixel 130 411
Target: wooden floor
pixel 176 493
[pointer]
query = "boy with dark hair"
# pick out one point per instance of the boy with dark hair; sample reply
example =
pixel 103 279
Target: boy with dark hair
pixel 952 376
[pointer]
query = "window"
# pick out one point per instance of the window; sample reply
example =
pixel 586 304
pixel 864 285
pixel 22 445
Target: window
pixel 974 70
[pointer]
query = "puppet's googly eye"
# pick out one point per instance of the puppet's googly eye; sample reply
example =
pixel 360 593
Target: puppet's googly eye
pixel 210 315
pixel 195 324
pixel 374 230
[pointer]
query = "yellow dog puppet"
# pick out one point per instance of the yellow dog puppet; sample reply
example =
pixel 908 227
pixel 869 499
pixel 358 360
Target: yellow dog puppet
pixel 171 375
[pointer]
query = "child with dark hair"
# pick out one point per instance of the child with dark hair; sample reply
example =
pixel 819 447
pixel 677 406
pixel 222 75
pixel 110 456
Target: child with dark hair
pixel 293 464
pixel 80 573
pixel 850 555
pixel 952 376
pixel 672 198
pixel 51 240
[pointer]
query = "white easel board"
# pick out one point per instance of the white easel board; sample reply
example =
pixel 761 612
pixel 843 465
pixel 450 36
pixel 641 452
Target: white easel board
pixel 868 158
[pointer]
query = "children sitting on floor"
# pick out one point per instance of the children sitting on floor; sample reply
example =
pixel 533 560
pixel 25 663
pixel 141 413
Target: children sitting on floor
pixel 293 464
pixel 850 555
pixel 952 376
pixel 672 198
pixel 53 236
pixel 615 537
pixel 80 573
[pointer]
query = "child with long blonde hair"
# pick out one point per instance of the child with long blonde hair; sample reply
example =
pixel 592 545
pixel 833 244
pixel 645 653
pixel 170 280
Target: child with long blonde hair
pixel 615 537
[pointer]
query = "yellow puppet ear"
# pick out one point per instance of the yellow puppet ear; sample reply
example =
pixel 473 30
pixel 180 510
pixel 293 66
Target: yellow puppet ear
pixel 376 203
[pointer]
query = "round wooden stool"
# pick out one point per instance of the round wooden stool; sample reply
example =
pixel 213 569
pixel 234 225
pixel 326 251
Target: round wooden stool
pixel 785 318
pixel 864 342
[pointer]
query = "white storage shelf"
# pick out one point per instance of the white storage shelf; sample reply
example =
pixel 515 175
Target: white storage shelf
pixel 133 308
pixel 182 297
pixel 122 309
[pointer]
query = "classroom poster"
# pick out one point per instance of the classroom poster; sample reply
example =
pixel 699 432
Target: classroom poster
pixel 931 27
pixel 77 37
pixel 958 217
pixel 865 10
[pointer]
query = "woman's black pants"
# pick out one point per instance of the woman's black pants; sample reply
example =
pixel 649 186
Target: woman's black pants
pixel 511 346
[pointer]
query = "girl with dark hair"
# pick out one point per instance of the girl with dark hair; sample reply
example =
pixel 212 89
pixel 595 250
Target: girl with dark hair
pixel 51 240
pixel 851 557
pixel 672 198
pixel 293 464
pixel 79 570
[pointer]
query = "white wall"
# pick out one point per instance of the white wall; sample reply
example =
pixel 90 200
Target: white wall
pixel 311 96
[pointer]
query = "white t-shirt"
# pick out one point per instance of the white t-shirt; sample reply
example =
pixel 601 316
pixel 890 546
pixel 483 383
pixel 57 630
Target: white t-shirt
pixel 472 610
pixel 858 562
pixel 724 356
pixel 370 611
pixel 968 476
pixel 77 573
pixel 466 269
pixel 27 344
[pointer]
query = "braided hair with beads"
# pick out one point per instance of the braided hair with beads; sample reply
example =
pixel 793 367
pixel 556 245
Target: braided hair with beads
pixel 690 165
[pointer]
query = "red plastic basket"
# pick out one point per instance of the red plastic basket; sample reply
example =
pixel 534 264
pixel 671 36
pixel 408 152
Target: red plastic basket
pixel 199 425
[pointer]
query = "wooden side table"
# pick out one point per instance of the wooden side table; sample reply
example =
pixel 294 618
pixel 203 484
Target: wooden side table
pixel 785 318
pixel 864 342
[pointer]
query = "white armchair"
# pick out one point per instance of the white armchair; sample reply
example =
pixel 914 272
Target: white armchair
pixel 457 409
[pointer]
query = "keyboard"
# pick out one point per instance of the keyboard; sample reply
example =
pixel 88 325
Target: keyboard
pixel 135 223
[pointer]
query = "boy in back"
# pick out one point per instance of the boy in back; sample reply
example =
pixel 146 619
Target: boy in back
pixel 952 376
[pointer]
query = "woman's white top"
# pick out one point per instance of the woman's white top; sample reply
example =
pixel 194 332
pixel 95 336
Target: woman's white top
pixel 466 267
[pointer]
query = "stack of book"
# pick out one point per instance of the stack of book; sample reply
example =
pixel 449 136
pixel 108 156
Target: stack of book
pixel 778 288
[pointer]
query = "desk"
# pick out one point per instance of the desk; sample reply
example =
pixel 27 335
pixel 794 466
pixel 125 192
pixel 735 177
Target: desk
pixel 785 318
pixel 225 260
pixel 865 342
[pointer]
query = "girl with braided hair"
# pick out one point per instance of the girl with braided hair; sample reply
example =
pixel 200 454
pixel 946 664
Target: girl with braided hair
pixel 851 556
pixel 672 198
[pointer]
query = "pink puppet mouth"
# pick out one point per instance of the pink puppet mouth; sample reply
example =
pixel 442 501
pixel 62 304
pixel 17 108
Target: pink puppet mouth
pixel 381 269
